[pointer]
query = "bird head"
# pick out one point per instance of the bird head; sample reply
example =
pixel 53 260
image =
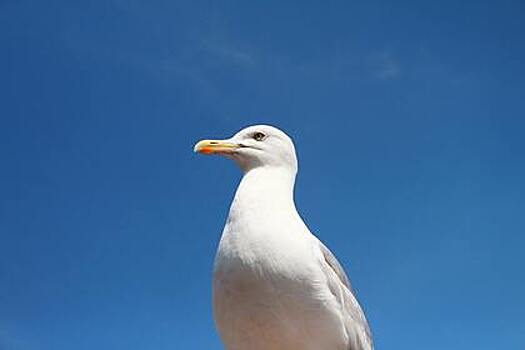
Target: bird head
pixel 254 147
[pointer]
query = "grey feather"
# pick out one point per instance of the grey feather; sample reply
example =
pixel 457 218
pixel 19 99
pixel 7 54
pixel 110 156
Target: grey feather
pixel 355 320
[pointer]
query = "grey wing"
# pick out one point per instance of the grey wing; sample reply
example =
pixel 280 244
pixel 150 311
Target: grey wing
pixel 355 320
pixel 331 260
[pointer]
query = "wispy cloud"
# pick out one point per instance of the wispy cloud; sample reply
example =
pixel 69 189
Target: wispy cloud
pixel 384 66
pixel 230 53
pixel 204 58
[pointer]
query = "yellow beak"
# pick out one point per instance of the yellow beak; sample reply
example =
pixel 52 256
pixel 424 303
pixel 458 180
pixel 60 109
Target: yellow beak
pixel 214 146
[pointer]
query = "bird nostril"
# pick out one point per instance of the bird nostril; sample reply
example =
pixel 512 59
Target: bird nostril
pixel 214 143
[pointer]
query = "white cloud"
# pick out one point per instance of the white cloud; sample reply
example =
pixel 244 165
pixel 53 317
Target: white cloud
pixel 230 53
pixel 384 66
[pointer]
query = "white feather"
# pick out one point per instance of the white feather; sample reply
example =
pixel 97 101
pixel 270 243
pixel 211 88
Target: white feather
pixel 275 285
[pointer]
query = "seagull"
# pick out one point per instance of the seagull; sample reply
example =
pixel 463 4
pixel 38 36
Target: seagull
pixel 276 286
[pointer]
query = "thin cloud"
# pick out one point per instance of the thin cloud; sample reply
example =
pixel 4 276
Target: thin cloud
pixel 230 53
pixel 384 66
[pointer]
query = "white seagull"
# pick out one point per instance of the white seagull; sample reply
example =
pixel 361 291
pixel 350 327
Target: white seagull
pixel 275 285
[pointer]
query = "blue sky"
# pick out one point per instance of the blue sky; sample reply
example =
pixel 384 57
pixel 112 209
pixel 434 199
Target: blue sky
pixel 408 118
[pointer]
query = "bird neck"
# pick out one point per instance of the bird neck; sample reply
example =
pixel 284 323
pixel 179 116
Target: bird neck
pixel 266 187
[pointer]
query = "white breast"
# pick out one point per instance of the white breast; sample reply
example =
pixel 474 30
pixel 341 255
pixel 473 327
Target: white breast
pixel 269 292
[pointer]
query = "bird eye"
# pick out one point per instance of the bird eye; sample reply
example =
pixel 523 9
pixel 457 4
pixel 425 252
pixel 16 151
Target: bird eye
pixel 259 136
